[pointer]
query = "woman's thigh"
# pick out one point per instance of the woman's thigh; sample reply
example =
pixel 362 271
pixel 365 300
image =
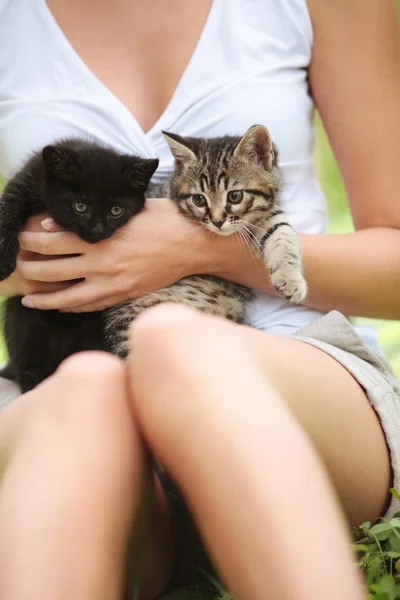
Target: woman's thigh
pixel 335 412
pixel 324 398
pixel 72 447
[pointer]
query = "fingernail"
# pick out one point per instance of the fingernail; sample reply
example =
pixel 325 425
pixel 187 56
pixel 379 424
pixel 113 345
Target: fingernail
pixel 27 301
pixel 48 224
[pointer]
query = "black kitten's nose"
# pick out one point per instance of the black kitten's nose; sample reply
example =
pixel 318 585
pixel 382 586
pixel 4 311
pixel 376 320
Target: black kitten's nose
pixel 218 223
pixel 98 228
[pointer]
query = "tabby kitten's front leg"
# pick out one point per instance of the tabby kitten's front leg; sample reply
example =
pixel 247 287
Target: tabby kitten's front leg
pixel 280 249
pixel 277 242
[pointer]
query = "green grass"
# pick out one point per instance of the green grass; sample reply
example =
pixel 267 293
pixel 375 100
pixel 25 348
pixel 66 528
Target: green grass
pixel 379 557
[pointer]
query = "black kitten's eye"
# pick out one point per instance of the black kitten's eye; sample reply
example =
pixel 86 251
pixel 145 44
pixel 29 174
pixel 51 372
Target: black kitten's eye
pixel 80 207
pixel 199 200
pixel 235 196
pixel 116 211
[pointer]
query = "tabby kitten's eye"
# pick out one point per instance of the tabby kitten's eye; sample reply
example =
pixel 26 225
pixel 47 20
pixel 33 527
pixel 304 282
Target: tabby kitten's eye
pixel 116 211
pixel 235 196
pixel 80 207
pixel 199 200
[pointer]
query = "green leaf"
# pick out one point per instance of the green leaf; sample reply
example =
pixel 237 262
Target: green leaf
pixel 374 571
pixel 395 522
pixel 395 493
pixel 382 531
pixel 394 542
pixel 369 548
pixel 387 585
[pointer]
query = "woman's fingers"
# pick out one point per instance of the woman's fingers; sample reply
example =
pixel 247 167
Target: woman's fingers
pixel 50 225
pixel 41 287
pixel 75 295
pixel 34 223
pixel 97 305
pixel 58 269
pixel 52 244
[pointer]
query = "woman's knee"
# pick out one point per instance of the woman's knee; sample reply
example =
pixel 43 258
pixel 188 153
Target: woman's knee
pixel 176 338
pixel 87 393
pixel 179 353
pixel 86 388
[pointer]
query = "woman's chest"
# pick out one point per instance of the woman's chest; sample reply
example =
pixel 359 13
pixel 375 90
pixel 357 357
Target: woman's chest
pixel 138 50
pixel 248 65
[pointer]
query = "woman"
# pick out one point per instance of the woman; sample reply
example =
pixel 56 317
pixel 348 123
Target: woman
pixel 226 408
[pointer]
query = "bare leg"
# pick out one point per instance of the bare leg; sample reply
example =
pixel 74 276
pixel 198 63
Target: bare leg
pixel 251 476
pixel 72 470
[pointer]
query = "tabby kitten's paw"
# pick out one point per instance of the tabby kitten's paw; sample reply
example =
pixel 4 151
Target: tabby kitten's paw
pixel 291 286
pixel 9 247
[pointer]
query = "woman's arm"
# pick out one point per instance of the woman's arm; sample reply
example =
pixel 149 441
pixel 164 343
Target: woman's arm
pixel 355 80
pixel 356 273
pixel 19 285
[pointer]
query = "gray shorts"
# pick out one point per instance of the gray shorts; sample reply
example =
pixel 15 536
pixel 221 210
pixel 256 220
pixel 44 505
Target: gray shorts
pixel 334 334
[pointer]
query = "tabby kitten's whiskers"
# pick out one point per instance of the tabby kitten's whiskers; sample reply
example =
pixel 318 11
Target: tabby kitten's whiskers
pixel 229 185
pixel 233 183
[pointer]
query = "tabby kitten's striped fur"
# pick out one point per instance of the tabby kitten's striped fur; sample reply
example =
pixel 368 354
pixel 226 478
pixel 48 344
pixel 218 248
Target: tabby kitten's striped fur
pixel 230 185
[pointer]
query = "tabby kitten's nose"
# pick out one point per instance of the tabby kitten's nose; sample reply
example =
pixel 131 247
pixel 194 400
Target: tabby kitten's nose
pixel 218 223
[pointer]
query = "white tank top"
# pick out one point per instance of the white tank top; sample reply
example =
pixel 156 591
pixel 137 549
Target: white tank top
pixel 250 66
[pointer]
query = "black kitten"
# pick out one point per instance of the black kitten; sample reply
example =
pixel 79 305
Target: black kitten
pixel 90 190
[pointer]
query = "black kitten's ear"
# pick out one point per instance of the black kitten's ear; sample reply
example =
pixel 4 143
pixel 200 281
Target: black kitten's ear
pixel 138 171
pixel 180 147
pixel 61 162
pixel 256 145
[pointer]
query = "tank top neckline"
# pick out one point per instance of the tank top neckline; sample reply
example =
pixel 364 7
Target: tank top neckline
pixel 170 110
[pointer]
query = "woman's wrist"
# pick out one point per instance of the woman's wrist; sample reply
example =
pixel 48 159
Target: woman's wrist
pixel 208 256
pixel 230 258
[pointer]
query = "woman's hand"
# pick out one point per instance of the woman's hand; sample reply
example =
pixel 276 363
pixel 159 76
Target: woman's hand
pixel 157 248
pixel 19 285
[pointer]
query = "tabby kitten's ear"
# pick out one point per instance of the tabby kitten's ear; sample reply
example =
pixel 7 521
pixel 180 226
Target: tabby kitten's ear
pixel 62 163
pixel 180 147
pixel 138 171
pixel 256 145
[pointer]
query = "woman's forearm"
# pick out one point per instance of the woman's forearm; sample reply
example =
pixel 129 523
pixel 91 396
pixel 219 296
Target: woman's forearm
pixel 357 273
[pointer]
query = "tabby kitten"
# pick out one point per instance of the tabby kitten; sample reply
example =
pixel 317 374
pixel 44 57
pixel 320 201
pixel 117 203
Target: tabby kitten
pixel 229 185
pixel 90 190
